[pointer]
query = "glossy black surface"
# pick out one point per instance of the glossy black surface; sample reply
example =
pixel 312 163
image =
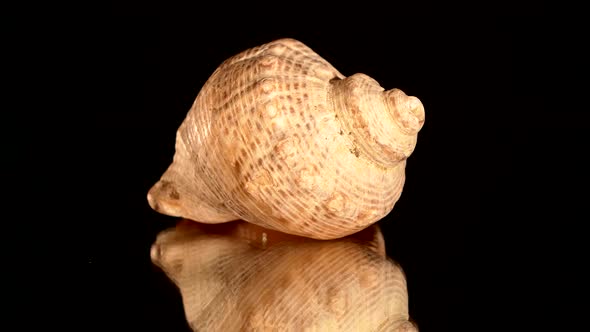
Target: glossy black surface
pixel 452 230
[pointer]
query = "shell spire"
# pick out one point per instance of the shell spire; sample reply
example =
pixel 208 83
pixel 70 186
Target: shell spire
pixel 384 124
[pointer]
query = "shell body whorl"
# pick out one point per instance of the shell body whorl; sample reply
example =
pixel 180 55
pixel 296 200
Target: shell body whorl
pixel 279 138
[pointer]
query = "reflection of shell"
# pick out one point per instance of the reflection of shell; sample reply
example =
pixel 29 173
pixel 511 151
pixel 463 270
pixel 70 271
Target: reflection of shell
pixel 240 277
pixel 278 137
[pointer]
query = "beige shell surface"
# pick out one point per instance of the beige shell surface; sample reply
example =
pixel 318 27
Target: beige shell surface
pixel 279 138
pixel 240 277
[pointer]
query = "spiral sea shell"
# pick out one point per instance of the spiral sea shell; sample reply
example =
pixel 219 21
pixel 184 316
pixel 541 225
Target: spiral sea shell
pixel 279 138
pixel 240 277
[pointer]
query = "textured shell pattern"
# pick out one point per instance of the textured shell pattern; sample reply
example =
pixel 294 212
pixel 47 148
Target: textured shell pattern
pixel 245 278
pixel 279 138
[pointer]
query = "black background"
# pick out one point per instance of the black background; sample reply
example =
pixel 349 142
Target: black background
pixel 463 229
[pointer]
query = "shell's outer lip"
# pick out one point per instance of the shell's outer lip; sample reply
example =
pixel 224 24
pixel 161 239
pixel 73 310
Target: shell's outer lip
pixel 255 235
pixel 262 237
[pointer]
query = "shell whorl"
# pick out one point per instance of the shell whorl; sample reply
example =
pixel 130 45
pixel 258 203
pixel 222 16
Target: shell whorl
pixel 383 124
pixel 279 138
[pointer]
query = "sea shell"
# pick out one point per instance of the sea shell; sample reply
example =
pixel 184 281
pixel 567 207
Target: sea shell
pixel 241 277
pixel 279 138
